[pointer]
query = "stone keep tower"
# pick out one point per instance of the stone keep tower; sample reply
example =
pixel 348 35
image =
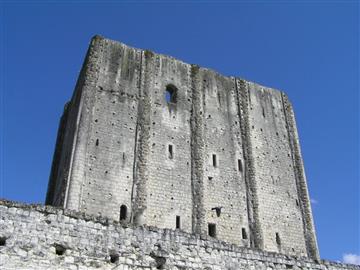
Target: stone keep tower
pixel 150 140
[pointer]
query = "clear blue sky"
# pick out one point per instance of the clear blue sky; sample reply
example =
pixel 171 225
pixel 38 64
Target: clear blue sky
pixel 309 50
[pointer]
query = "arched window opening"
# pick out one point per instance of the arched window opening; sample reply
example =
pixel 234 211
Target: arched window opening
pixel 171 94
pixel 123 212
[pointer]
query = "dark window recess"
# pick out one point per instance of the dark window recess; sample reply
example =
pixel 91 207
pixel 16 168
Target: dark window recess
pixel 123 212
pixel 60 250
pixel 219 98
pixel 171 94
pixel 2 241
pixel 212 229
pixel 214 161
pixel 210 178
pixel 240 166
pixel 278 240
pixel 171 151
pixel 114 258
pixel 177 222
pixel 160 262
pixel 243 233
pixel 97 142
pixel 263 112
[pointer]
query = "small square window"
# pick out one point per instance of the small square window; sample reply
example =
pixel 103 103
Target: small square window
pixel 171 94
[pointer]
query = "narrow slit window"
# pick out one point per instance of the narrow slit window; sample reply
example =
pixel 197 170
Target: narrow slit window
pixel 171 151
pixel 212 229
pixel 243 233
pixel 214 160
pixel 123 212
pixel 177 222
pixel 97 142
pixel 240 166
pixel 278 240
pixel 219 98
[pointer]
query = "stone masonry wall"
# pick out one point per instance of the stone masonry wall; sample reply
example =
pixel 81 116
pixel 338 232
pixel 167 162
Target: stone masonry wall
pixel 281 216
pixel 169 179
pixel 221 158
pixel 39 237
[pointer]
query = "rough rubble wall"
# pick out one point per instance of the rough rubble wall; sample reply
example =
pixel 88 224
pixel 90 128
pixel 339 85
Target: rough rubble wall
pixel 38 237
pixel 279 211
pixel 233 161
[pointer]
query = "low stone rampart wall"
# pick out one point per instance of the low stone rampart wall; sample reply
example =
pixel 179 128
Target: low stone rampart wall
pixel 43 237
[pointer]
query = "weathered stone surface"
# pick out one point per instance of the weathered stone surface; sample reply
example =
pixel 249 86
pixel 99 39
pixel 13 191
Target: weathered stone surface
pixel 44 237
pixel 221 157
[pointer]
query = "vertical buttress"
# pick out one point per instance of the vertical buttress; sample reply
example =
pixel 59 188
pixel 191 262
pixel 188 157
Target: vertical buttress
pixel 82 96
pixel 303 194
pixel 54 182
pixel 197 153
pixel 142 144
pixel 256 238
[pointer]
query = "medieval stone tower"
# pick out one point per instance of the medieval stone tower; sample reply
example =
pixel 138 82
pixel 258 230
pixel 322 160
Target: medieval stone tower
pixel 150 140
